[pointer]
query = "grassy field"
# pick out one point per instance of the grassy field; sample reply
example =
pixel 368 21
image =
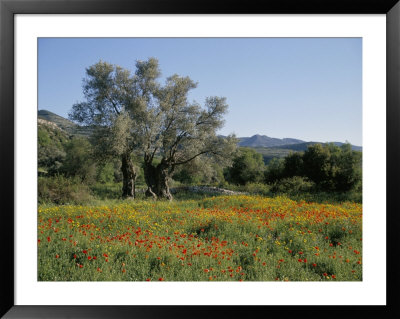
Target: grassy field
pixel 223 238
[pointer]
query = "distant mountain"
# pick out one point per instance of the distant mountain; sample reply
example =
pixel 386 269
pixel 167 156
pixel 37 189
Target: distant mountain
pixel 64 124
pixel 266 141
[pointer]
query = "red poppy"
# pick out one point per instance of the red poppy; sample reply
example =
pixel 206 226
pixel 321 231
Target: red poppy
pixel 57 256
pixel 314 265
pixel 84 251
pixel 48 239
pixel 161 279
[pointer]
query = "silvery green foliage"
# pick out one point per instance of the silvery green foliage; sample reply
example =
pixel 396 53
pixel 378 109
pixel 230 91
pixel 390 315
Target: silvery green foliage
pixel 134 112
pixel 117 104
pixel 107 89
pixel 183 130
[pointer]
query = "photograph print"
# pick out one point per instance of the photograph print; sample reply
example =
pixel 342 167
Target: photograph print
pixel 199 159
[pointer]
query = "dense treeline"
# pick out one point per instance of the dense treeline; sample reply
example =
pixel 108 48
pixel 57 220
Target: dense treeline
pixel 327 169
pixel 70 172
pixel 322 167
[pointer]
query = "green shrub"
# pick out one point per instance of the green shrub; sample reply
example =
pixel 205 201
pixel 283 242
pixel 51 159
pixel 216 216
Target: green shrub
pixel 104 191
pixel 78 161
pixel 257 188
pixel 293 185
pixel 333 168
pixel 275 170
pixel 62 190
pixel 105 173
pixel 247 167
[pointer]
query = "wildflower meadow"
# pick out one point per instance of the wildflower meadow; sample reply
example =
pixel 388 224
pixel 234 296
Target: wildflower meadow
pixel 220 238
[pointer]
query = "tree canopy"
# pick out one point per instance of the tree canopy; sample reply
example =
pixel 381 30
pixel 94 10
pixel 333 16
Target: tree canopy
pixel 134 112
pixel 247 167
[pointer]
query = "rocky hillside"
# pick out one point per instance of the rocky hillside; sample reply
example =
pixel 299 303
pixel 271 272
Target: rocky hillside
pixel 64 124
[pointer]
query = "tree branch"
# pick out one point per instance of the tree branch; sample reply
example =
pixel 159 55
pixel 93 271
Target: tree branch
pixel 193 157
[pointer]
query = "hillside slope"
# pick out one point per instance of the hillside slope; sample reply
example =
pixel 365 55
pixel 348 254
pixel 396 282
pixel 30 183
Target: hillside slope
pixel 65 124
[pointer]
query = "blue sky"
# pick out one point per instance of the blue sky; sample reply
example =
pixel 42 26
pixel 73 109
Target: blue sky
pixel 306 88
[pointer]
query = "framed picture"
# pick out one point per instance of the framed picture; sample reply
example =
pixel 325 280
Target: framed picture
pixel 29 29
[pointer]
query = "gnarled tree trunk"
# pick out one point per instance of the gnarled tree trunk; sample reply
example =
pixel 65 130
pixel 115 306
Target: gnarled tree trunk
pixel 150 178
pixel 128 176
pixel 156 178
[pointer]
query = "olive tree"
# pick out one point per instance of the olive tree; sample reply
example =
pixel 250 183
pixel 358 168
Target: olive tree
pixel 182 131
pixel 113 98
pixel 135 113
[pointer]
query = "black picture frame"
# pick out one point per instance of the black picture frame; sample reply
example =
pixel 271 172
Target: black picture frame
pixel 8 8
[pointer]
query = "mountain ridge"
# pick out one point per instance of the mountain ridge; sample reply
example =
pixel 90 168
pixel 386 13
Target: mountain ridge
pixel 258 140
